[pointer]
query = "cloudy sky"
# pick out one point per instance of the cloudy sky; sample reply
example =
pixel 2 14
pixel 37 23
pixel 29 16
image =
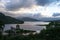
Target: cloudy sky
pixel 31 8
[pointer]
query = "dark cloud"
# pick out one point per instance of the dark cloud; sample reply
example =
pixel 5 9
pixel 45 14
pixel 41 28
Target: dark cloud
pixel 56 14
pixel 14 4
pixel 45 2
pixel 42 2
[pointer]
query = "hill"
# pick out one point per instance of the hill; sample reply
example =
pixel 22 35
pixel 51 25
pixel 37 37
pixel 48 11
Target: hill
pixel 9 20
pixel 28 19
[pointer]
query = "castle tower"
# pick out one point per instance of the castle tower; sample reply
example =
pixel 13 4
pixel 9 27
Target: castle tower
pixel 17 26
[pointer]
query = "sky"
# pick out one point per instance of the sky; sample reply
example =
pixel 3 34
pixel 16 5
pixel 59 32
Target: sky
pixel 30 8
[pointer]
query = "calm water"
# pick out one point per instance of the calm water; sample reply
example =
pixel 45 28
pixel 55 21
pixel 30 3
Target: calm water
pixel 28 26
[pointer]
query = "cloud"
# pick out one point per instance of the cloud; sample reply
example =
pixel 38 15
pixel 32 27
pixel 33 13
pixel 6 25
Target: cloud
pixel 56 14
pixel 42 2
pixel 45 2
pixel 2 7
pixel 16 4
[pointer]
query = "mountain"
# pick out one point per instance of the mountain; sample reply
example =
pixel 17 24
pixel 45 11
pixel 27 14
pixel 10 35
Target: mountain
pixel 48 19
pixel 45 19
pixel 27 19
pixel 9 20
pixel 56 14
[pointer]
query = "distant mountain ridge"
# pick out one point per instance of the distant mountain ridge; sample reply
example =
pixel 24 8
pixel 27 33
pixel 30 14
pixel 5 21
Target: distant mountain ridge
pixel 50 19
pixel 27 19
pixel 9 20
pixel 44 19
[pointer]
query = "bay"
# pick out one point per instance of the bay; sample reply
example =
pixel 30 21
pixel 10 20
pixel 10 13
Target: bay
pixel 28 26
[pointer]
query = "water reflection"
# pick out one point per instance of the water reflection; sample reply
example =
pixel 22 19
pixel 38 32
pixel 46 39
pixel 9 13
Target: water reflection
pixel 28 26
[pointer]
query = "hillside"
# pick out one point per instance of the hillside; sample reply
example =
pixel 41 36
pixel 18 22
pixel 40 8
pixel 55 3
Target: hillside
pixel 9 20
pixel 28 19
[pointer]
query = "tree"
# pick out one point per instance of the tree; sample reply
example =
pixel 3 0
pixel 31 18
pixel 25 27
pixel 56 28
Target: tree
pixel 1 28
pixel 51 33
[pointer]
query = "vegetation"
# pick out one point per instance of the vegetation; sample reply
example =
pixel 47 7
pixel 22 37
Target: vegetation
pixel 1 29
pixel 9 20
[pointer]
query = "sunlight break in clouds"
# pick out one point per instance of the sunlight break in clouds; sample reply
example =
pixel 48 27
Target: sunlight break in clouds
pixel 46 11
